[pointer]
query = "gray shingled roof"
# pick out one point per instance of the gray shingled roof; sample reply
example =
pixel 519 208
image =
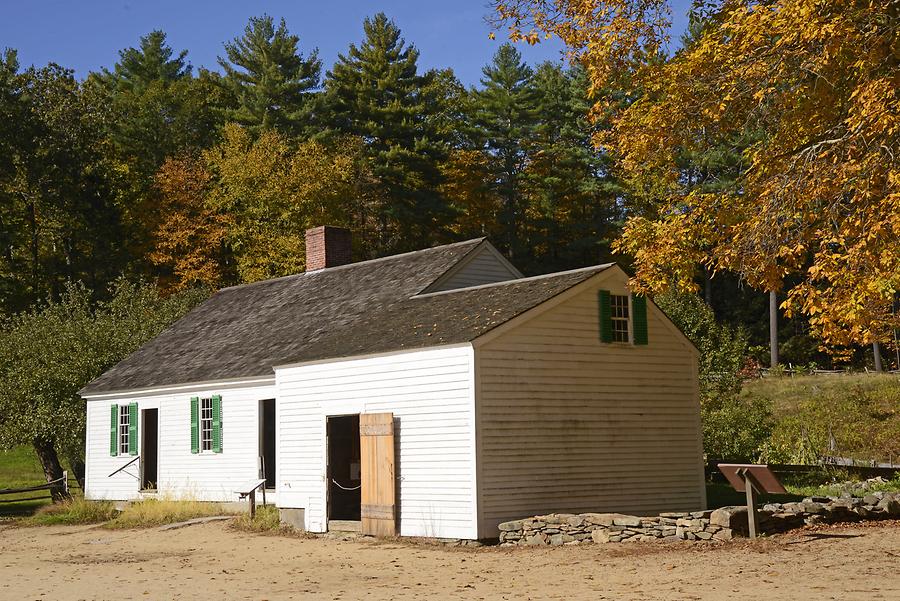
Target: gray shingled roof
pixel 361 308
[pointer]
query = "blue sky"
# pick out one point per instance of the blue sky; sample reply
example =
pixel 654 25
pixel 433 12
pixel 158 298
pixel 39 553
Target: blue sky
pixel 86 35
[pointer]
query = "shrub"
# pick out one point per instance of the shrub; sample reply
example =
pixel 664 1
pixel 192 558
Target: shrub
pixel 733 428
pixel 848 416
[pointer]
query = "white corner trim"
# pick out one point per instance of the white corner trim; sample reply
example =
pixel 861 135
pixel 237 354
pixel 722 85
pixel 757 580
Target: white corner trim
pixel 407 351
pixel 210 384
pixel 516 281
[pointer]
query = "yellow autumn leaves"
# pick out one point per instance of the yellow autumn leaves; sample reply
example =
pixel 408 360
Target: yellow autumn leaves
pixel 254 197
pixel 815 88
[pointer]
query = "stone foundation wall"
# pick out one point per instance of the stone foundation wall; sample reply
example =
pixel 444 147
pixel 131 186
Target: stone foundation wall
pixel 720 524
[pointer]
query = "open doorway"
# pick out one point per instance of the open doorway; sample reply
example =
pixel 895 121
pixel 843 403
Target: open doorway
pixel 267 441
pixel 149 449
pixel 343 468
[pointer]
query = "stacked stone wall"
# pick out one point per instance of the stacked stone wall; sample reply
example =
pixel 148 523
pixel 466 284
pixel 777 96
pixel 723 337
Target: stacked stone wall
pixel 718 525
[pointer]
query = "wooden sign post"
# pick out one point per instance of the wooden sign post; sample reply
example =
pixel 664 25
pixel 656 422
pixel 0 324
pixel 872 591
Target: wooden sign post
pixel 751 479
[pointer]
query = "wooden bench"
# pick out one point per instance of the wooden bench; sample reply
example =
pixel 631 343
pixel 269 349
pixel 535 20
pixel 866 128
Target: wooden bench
pixel 249 490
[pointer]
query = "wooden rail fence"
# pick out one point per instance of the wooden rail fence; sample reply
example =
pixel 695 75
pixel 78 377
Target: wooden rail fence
pixel 60 484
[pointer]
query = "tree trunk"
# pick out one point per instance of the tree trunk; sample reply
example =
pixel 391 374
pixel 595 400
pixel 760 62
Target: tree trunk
pixel 773 329
pixel 77 465
pixel 52 469
pixel 707 287
pixel 876 352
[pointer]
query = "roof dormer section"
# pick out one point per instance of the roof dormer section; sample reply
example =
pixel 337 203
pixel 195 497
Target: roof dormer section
pixel 482 265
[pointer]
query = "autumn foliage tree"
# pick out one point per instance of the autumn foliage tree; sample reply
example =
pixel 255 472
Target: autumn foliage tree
pixel 239 212
pixel 819 201
pixel 189 243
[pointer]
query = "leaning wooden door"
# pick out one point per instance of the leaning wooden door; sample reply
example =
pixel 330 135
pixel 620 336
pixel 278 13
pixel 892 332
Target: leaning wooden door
pixel 376 446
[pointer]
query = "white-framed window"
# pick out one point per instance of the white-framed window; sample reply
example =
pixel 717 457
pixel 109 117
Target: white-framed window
pixel 619 313
pixel 124 429
pixel 206 424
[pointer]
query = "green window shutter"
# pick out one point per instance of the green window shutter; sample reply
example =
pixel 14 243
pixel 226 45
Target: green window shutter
pixel 639 318
pixel 195 424
pixel 606 329
pixel 114 431
pixel 217 424
pixel 132 428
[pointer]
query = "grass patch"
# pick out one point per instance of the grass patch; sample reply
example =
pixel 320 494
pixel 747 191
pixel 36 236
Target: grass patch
pixel 159 512
pixel 855 416
pixel 76 511
pixel 20 468
pixel 837 487
pixel 267 520
pixel 824 482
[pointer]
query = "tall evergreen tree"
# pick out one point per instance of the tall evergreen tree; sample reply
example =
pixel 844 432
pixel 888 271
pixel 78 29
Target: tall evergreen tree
pixel 150 107
pixel 375 92
pixel 270 79
pixel 152 61
pixel 572 196
pixel 505 118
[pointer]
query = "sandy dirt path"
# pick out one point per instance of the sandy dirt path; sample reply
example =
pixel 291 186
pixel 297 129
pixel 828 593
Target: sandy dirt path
pixel 212 562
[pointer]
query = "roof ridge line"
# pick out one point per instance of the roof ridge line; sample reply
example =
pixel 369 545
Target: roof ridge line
pixel 599 267
pixel 354 264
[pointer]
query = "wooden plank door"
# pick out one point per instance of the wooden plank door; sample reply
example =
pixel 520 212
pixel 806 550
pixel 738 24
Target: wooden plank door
pixel 376 445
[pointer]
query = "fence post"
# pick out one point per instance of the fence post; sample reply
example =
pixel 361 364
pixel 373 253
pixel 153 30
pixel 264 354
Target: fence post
pixel 66 482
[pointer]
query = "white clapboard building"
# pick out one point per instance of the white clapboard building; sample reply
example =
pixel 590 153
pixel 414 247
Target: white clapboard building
pixel 436 393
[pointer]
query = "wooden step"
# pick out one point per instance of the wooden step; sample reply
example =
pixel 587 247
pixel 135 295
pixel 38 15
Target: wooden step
pixel 344 526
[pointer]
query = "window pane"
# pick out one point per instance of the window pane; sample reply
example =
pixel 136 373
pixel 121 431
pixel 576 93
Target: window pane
pixel 123 429
pixel 206 424
pixel 619 305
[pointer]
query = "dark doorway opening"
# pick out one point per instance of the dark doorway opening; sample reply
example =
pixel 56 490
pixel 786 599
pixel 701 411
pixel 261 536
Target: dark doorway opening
pixel 267 441
pixel 149 448
pixel 343 468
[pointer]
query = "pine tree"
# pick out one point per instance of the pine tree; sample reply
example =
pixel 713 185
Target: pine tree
pixel 375 92
pixel 152 61
pixel 271 81
pixel 505 118
pixel 571 193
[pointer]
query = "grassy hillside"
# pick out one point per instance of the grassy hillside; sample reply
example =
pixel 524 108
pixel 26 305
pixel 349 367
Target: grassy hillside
pixel 854 416
pixel 20 468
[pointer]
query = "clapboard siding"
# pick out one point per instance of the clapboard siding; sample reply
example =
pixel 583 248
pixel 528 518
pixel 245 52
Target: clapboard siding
pixel 182 474
pixel 431 395
pixel 484 267
pixel 568 424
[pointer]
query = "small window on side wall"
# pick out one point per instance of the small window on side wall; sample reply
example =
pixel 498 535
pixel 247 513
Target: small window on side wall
pixel 206 424
pixel 623 319
pixel 123 428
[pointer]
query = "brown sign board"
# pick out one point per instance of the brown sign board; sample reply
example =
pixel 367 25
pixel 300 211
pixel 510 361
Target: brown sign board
pixel 762 477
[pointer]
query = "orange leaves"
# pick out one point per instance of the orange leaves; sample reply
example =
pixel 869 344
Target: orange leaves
pixel 189 239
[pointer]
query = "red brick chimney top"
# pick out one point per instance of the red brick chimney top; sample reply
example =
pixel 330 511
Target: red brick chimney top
pixel 327 246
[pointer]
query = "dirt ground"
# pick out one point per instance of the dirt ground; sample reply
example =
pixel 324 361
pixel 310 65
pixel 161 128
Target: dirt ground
pixel 213 562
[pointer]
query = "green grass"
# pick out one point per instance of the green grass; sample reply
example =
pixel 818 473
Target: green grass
pixel 20 468
pixel 839 486
pixel 860 413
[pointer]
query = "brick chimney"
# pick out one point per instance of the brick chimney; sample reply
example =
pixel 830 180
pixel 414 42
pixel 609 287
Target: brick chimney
pixel 327 246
